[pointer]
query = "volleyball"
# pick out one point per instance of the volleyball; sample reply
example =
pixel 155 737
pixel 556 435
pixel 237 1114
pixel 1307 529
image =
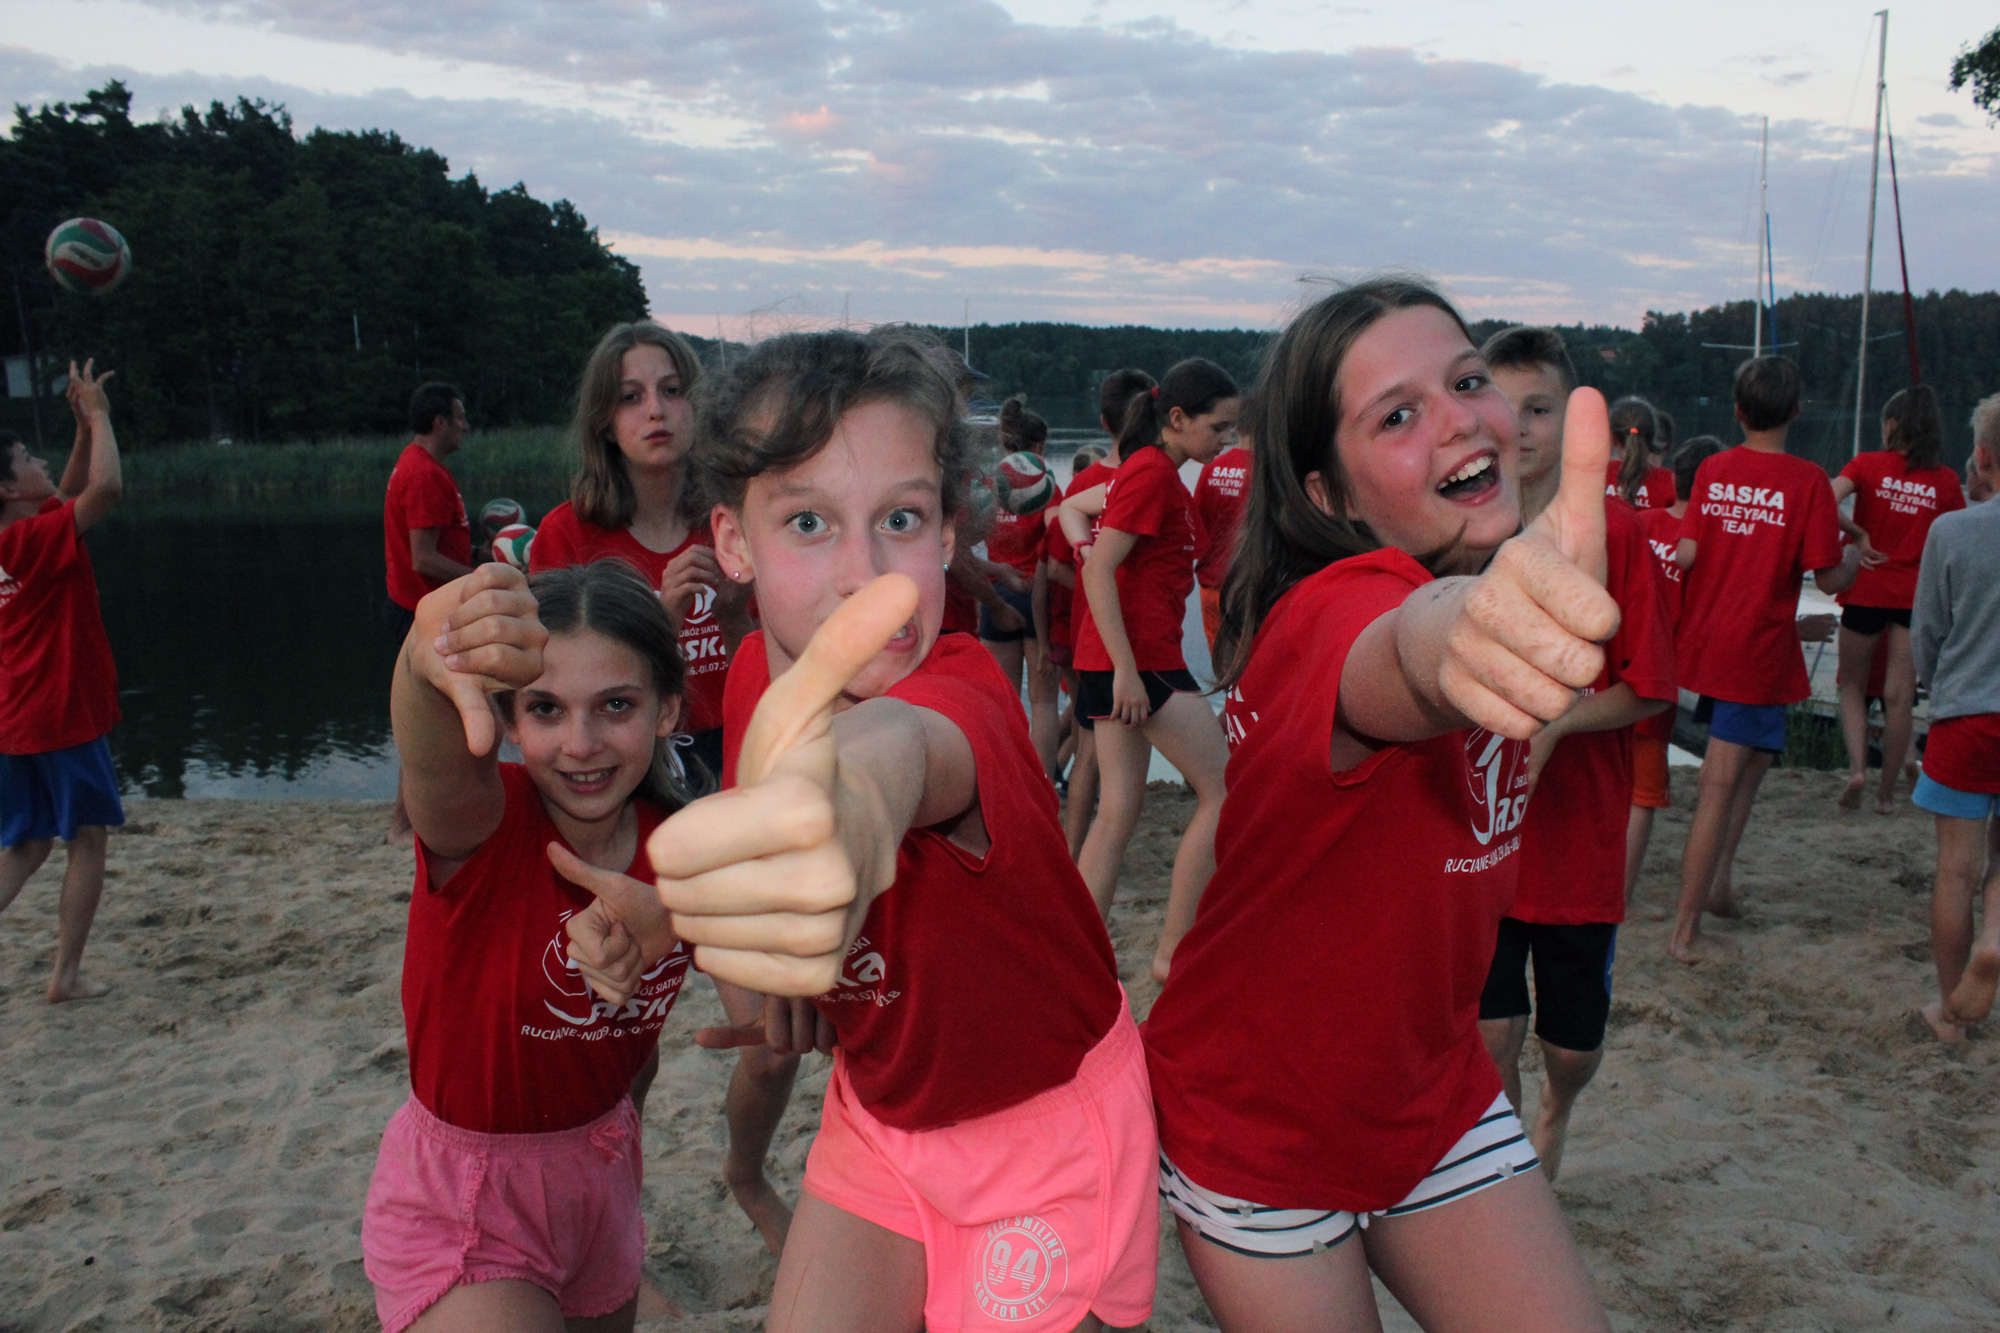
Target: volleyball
pixel 500 514
pixel 1025 484
pixel 511 544
pixel 87 257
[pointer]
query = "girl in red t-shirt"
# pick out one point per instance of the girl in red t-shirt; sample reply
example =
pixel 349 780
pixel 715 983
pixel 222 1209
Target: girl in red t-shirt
pixel 889 846
pixel 1634 475
pixel 1133 683
pixel 540 967
pixel 1316 1060
pixel 1899 490
pixel 1015 540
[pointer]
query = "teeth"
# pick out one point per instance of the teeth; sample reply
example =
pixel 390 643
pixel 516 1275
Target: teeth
pixel 1469 471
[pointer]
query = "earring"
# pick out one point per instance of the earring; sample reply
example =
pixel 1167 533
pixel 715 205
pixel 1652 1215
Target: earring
pixel 947 566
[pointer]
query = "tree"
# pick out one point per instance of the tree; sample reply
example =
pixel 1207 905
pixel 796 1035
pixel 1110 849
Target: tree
pixel 1980 67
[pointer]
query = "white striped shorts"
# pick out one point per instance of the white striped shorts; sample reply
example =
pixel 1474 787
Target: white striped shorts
pixel 1491 1151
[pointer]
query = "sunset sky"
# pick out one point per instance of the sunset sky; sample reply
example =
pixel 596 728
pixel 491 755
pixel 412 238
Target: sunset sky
pixel 1166 163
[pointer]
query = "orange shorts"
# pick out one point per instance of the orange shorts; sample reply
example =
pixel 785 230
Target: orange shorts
pixel 1031 1217
pixel 1649 772
pixel 1211 614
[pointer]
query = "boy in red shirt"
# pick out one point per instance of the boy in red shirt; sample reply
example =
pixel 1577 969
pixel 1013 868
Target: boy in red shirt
pixel 58 684
pixel 1571 896
pixel 426 540
pixel 1757 521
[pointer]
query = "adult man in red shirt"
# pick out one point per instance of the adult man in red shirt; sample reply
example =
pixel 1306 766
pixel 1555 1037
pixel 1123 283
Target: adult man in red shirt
pixel 58 685
pixel 426 540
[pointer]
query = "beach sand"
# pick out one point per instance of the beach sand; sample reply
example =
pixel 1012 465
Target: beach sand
pixel 1773 1143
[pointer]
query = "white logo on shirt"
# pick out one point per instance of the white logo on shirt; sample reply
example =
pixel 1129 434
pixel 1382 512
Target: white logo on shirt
pixel 1906 497
pixel 1494 769
pixel 1023 1266
pixel 861 976
pixel 1742 508
pixel 591 1018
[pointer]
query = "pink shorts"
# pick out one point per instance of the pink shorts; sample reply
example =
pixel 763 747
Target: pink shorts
pixel 1031 1217
pixel 448 1207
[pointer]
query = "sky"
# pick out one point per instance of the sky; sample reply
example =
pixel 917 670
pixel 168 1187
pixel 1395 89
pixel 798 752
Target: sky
pixel 784 163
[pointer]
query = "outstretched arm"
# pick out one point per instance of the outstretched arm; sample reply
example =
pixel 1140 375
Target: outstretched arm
pixel 94 474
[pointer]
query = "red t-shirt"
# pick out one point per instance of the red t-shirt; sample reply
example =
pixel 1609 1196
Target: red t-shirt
pixel 976 982
pixel 505 1036
pixel 1895 506
pixel 1062 610
pixel 1146 498
pixel 1317 1043
pixel 1015 541
pixel 58 684
pixel 564 540
pixel 1079 614
pixel 421 495
pixel 1219 497
pixel 1663 537
pixel 1759 522
pixel 1656 488
pixel 1572 860
pixel 961 610
pixel 1964 752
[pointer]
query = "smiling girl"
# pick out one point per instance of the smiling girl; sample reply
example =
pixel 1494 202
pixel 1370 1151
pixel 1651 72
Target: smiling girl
pixel 506 1195
pixel 1388 650
pixel 890 847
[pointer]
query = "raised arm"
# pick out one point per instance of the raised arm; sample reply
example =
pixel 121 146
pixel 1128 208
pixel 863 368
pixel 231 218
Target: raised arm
pixel 771 880
pixel 94 474
pixel 474 637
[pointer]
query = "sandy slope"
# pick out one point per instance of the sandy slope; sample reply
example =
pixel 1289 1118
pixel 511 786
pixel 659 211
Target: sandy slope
pixel 1772 1145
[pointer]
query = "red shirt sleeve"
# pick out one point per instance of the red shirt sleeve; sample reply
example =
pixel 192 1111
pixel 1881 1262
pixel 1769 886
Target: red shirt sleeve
pixel 1820 547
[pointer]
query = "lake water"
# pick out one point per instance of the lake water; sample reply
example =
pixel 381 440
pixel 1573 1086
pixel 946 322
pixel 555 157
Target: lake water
pixel 252 657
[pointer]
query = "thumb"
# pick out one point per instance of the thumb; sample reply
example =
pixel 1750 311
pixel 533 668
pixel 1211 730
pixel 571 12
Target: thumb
pixel 469 697
pixel 798 706
pixel 1575 519
pixel 607 886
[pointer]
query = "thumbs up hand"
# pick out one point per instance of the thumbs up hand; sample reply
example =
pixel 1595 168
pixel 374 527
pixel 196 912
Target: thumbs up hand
pixel 1527 635
pixel 769 880
pixel 478 636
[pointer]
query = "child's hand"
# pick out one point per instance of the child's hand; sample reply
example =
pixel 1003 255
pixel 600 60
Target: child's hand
pixel 86 393
pixel 632 906
pixel 605 953
pixel 479 635
pixel 790 1026
pixel 762 879
pixel 1526 638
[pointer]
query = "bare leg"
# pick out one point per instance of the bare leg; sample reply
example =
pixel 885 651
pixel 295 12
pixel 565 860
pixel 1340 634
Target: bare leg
pixel 759 1090
pixel 642 1083
pixel 1010 656
pixel 507 1305
pixel 1122 755
pixel 1961 861
pixel 1857 659
pixel 83 887
pixel 1188 733
pixel 841 1274
pixel 1569 1072
pixel 1497 1261
pixel 18 865
pixel 1899 697
pixel 1083 785
pixel 1638 833
pixel 1505 1038
pixel 1312 1293
pixel 1721 770
pixel 1721 896
pixel 1972 997
pixel 1043 684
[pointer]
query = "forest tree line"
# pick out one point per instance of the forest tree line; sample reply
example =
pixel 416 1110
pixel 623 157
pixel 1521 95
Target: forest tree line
pixel 293 287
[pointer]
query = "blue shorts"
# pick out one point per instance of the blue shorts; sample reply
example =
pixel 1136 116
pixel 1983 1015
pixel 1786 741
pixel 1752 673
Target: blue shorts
pixel 1023 602
pixel 1952 803
pixel 1758 726
pixel 52 795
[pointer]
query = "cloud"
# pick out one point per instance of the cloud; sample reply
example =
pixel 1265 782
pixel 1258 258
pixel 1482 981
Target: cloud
pixel 917 153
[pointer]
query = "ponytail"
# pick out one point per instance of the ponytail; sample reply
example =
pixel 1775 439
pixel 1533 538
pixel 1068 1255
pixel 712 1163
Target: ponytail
pixel 1915 430
pixel 1195 386
pixel 1634 427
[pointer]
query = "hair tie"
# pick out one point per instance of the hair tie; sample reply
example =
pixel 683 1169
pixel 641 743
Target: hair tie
pixel 1154 391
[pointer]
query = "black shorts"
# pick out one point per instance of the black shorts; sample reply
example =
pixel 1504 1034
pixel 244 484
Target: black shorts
pixel 1572 980
pixel 1872 620
pixel 399 619
pixel 1093 692
pixel 1024 602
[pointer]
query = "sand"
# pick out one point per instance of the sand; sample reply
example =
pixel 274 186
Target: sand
pixel 1773 1144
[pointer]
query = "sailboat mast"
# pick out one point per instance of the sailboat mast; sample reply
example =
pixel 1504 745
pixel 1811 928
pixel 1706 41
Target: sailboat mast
pixel 1763 234
pixel 1868 269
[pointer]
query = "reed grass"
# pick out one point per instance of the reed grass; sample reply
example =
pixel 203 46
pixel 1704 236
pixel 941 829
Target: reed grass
pixel 523 461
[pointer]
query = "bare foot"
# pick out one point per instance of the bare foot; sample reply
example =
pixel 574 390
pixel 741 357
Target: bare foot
pixel 761 1204
pixel 81 988
pixel 1725 906
pixel 1885 799
pixel 1972 998
pixel 1652 911
pixel 1911 772
pixel 1850 795
pixel 1548 1136
pixel 1942 1027
pixel 655 1304
pixel 1699 948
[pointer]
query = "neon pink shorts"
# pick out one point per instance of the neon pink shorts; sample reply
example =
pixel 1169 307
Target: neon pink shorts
pixel 448 1207
pixel 1030 1218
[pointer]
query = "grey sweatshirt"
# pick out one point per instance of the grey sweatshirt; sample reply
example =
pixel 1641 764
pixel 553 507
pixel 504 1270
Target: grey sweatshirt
pixel 1955 625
